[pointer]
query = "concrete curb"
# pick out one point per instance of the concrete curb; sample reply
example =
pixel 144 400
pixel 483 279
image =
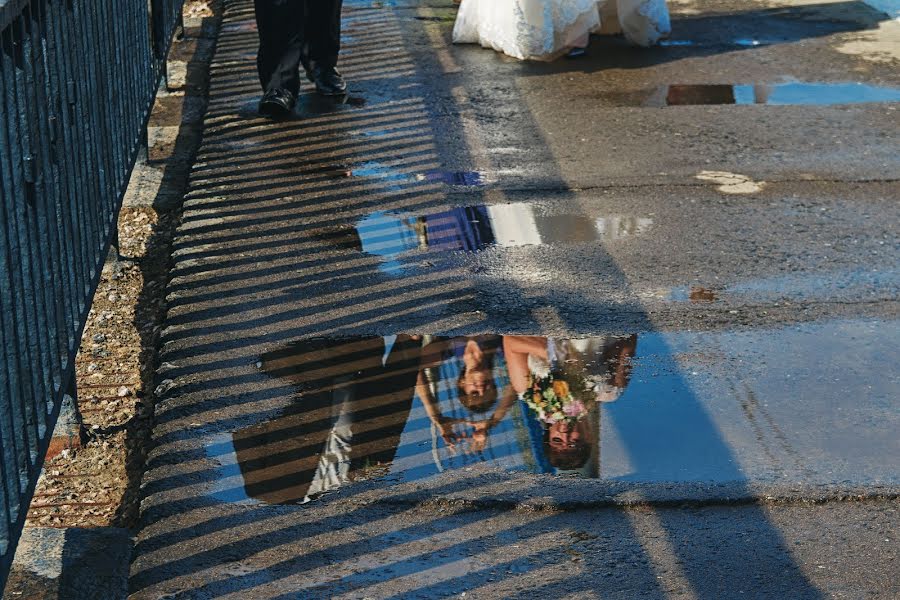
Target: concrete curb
pixel 70 563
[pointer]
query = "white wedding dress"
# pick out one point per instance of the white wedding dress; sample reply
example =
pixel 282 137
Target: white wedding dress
pixel 544 29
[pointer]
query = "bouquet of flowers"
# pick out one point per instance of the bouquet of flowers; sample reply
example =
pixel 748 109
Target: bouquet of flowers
pixel 554 399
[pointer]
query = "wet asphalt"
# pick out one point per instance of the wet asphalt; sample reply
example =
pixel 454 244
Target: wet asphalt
pixel 719 215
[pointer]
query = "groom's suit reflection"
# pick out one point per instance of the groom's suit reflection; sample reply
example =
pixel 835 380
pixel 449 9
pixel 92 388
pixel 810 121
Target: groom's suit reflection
pixel 354 398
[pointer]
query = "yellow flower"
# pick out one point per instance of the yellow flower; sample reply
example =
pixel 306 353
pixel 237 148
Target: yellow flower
pixel 561 389
pixel 537 399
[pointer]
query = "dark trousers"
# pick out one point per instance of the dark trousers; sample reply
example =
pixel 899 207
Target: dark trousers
pixel 292 32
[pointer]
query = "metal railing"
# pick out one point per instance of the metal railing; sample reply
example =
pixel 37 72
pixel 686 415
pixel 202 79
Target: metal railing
pixel 77 81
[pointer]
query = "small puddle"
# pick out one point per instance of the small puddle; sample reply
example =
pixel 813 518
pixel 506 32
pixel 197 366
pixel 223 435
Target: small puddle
pixel 332 171
pixel 239 27
pixel 779 94
pixel 752 42
pixel 460 178
pixel 388 173
pixel 744 42
pixel 473 228
pixel 807 403
pixel 677 43
pixel 871 282
pixel 317 104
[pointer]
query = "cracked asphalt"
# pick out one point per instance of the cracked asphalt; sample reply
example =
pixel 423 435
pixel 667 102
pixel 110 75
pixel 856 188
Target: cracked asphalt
pixel 735 243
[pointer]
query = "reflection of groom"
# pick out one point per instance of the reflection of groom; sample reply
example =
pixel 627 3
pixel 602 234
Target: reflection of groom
pixel 291 33
pixel 353 405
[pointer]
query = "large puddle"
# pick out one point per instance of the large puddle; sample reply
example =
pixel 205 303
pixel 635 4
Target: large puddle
pixel 813 403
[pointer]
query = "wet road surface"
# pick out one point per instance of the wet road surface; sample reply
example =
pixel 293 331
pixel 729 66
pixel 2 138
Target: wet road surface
pixel 608 327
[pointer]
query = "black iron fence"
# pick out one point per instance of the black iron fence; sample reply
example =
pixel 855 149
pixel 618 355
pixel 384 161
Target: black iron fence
pixel 77 82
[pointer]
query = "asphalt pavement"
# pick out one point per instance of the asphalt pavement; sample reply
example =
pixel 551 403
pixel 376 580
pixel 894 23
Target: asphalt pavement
pixel 706 230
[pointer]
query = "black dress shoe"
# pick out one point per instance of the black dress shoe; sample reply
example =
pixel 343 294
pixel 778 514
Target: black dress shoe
pixel 329 81
pixel 277 103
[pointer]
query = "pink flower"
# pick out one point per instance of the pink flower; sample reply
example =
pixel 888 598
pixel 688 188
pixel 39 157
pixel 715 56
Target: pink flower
pixel 575 408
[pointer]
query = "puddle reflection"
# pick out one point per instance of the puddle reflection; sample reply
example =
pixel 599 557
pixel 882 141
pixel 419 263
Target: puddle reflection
pixel 391 174
pixel 474 228
pixel 793 93
pixel 811 403
pixel 406 407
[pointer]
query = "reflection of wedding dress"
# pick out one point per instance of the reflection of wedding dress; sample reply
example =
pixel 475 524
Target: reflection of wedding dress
pixel 542 29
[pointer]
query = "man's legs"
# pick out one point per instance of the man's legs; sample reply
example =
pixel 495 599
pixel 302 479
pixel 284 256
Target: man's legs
pixel 323 31
pixel 281 27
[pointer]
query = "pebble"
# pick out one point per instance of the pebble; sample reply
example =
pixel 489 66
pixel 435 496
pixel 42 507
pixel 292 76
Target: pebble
pixel 164 386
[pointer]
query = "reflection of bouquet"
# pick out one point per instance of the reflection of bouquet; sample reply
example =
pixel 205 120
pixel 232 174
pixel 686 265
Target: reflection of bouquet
pixel 554 399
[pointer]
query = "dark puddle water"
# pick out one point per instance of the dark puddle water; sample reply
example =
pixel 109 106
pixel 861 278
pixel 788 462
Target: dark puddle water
pixel 814 403
pixel 317 104
pixel 309 104
pixel 868 282
pixel 473 228
pixel 783 94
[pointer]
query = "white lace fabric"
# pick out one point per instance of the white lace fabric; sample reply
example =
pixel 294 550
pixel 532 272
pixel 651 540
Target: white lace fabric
pixel 544 29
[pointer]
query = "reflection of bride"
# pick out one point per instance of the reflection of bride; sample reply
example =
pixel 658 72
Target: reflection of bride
pixel 544 29
pixel 563 382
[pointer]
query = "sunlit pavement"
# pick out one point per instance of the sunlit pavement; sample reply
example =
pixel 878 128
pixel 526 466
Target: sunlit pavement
pixel 703 233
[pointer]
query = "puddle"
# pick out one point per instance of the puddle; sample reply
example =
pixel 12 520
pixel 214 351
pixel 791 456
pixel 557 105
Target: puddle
pixel 813 403
pixel 332 171
pixel 316 104
pixel 473 228
pixel 461 178
pixel 825 286
pixel 374 133
pixel 308 104
pixel 239 27
pixel 383 172
pixel 743 42
pixel 676 43
pixel 779 94
pixel 403 408
pixel 752 42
